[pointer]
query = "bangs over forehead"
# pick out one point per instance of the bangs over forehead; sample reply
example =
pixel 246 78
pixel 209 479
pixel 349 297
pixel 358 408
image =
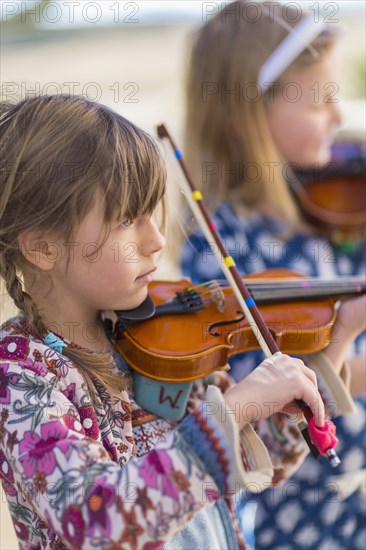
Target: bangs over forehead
pixel 134 178
pixel 61 150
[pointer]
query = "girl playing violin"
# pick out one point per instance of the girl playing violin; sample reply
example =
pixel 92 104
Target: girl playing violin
pixel 261 100
pixel 81 463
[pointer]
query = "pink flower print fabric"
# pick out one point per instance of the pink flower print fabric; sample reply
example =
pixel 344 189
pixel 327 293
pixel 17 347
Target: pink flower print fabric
pixel 13 348
pixel 5 378
pixel 37 452
pixel 89 421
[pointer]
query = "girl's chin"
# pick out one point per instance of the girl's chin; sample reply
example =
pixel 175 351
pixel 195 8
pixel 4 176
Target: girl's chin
pixel 135 302
pixel 325 154
pixel 127 303
pixel 318 160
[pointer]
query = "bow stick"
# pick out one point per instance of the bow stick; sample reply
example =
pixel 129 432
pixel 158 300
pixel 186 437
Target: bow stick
pixel 321 440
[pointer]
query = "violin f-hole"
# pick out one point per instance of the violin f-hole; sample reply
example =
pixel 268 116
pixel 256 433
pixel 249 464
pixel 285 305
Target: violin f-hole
pixel 212 327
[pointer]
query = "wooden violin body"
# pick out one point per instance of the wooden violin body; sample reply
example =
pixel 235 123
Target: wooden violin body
pixel 177 348
pixel 333 198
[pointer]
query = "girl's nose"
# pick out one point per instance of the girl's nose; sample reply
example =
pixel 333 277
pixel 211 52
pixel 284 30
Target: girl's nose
pixel 153 240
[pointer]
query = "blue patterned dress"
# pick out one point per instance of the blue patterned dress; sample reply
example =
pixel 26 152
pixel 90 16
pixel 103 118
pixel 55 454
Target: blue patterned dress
pixel 318 508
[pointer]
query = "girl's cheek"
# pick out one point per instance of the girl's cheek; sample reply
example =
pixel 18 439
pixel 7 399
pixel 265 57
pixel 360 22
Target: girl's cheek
pixel 118 251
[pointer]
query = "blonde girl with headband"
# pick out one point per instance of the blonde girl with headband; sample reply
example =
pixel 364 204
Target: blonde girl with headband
pixel 261 98
pixel 82 464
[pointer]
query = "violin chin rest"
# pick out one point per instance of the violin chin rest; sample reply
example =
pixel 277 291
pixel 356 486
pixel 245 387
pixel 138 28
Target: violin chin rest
pixel 144 311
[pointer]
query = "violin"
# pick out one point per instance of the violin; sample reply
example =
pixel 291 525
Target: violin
pixel 333 198
pixel 185 332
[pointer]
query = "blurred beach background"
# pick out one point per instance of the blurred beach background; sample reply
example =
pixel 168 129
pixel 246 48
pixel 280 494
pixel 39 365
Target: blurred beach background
pixel 131 57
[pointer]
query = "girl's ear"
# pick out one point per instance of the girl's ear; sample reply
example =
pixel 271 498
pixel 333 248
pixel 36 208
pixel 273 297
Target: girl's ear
pixel 38 250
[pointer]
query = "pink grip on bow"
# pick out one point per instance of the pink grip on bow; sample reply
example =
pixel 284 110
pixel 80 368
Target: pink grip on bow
pixel 324 438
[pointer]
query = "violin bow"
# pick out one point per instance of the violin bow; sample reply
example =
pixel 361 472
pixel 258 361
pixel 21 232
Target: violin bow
pixel 321 440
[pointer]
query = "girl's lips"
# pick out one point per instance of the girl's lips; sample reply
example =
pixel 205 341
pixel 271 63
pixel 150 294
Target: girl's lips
pixel 146 277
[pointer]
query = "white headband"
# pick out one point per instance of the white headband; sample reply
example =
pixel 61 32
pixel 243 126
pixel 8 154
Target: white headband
pixel 288 50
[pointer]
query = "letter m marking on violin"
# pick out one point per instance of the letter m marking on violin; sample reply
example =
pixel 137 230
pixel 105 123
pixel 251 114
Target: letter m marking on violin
pixel 172 401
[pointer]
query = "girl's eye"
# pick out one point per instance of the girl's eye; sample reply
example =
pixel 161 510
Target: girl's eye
pixel 126 224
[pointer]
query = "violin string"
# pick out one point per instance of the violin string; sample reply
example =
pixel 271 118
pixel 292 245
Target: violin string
pixel 352 284
pixel 266 290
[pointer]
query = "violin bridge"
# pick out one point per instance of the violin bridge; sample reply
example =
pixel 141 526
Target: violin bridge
pixel 217 296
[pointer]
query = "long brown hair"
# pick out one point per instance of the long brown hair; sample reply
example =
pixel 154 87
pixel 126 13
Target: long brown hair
pixel 227 139
pixel 55 153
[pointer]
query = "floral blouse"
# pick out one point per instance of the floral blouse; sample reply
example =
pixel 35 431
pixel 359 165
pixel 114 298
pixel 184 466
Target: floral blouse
pixel 112 475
